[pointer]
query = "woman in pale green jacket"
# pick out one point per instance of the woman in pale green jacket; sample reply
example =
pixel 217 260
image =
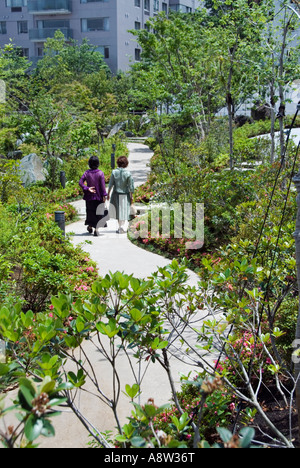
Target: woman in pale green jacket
pixel 121 182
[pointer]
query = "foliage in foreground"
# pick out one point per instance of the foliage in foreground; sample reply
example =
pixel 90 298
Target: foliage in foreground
pixel 144 322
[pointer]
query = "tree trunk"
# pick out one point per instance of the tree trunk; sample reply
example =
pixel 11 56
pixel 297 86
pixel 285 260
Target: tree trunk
pixel 272 102
pixel 230 110
pixel 230 104
pixel 281 112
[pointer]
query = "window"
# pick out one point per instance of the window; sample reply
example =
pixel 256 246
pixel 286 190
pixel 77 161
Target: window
pixel 104 50
pixel 22 27
pixel 40 51
pixel 92 1
pixel 156 5
pixel 15 3
pixel 94 24
pixel 137 25
pixel 137 3
pixel 147 5
pixel 165 7
pixel 53 24
pixel 137 55
pixel 182 8
pixel 3 29
pixel 25 52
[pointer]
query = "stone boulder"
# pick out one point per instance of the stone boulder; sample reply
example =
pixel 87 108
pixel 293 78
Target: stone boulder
pixel 32 170
pixel 261 112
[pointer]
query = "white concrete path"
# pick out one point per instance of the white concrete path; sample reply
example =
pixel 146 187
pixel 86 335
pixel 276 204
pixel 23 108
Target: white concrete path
pixel 114 252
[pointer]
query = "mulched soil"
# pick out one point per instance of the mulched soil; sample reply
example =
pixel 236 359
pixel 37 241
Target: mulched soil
pixel 282 416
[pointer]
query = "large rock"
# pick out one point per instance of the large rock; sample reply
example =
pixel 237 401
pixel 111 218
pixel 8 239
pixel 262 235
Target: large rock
pixel 260 111
pixel 32 170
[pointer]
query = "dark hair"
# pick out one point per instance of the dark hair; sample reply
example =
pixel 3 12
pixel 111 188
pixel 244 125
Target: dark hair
pixel 122 161
pixel 94 162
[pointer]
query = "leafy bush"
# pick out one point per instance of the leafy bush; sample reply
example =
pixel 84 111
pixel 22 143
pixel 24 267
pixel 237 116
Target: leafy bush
pixel 37 260
pixel 9 180
pixel 143 193
pixel 216 408
pixel 40 341
pixel 221 194
pixel 134 315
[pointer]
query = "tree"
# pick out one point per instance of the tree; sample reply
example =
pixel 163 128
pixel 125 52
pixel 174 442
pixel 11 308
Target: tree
pixel 238 31
pixel 176 74
pixel 65 103
pixel 13 76
pixel 279 67
pixel 13 66
pixel 65 61
pixel 78 79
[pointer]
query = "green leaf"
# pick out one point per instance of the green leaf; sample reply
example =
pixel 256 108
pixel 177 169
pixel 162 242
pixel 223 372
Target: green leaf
pixel 97 288
pixel 138 442
pixel 48 361
pixel 150 410
pixel 156 344
pixel 136 314
pixel 128 431
pixel 121 280
pixel 225 434
pixel 4 369
pixel 26 391
pixel 277 332
pixel 47 430
pixel 163 344
pixel 71 341
pixel 33 427
pixel 110 329
pixel 80 324
pixel 27 319
pixel 77 380
pixel 181 423
pixel 121 438
pixel 132 391
pixel 61 306
pixel 135 284
pixel 247 434
pixel 48 385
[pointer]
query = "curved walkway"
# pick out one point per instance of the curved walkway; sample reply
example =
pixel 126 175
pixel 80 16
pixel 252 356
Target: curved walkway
pixel 114 252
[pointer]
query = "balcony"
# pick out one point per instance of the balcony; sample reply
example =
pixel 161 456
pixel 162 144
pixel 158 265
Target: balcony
pixel 49 7
pixel 42 34
pixel 16 3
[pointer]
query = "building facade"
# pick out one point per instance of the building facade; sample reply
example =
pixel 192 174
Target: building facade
pixel 105 23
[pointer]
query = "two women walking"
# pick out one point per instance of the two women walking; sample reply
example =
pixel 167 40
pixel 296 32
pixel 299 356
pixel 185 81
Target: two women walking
pixel 95 195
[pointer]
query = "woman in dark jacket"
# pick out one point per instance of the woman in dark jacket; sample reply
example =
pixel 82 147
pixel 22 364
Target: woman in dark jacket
pixel 93 185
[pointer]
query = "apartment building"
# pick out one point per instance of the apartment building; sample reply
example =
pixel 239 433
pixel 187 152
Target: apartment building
pixel 105 23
